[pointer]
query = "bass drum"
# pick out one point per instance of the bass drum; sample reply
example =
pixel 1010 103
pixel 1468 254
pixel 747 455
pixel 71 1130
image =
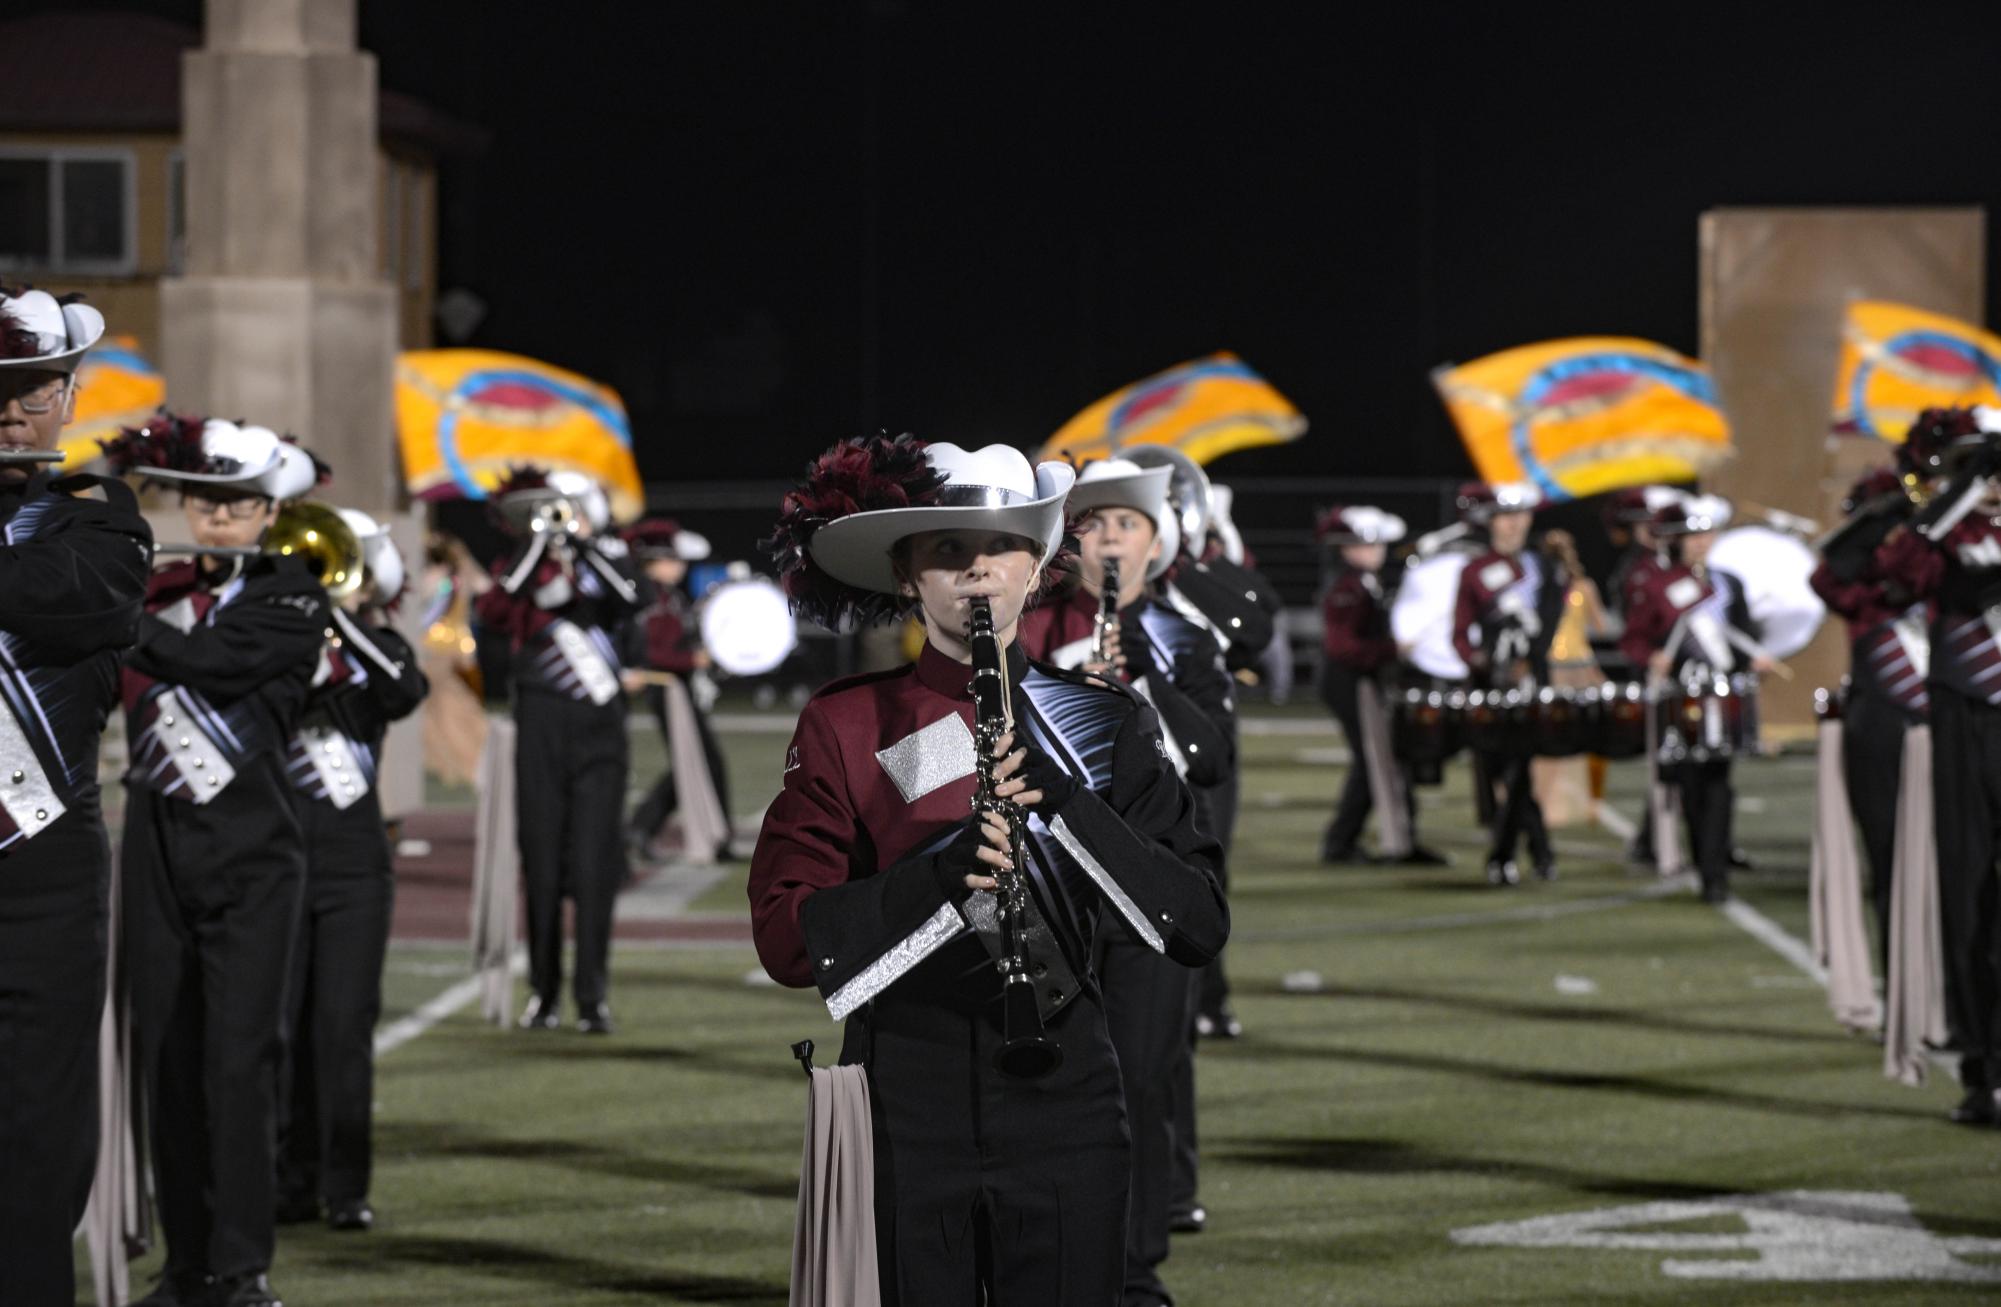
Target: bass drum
pixel 747 627
pixel 1422 615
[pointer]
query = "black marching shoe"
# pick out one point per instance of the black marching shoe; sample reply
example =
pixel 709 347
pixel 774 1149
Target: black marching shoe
pixel 1500 872
pixel 1740 860
pixel 595 1019
pixel 296 1207
pixel 1419 856
pixel 541 1014
pixel 1977 1108
pixel 179 1289
pixel 1344 855
pixel 1218 1023
pixel 353 1215
pixel 1715 892
pixel 1545 868
pixel 245 1291
pixel 1192 1219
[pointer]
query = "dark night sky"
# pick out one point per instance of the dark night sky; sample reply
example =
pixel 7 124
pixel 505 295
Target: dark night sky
pixel 770 225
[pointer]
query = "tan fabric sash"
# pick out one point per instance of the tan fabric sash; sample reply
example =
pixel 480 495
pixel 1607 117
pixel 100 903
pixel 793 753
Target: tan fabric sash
pixel 1916 966
pixel 116 1212
pixel 833 1234
pixel 704 824
pixel 1386 787
pixel 1834 893
pixel 496 874
pixel 1663 802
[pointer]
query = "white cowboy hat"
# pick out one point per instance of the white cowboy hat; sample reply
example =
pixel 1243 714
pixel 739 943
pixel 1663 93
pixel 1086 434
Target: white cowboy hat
pixel 64 332
pixel 296 475
pixel 379 554
pixel 248 458
pixel 994 488
pixel 1122 483
pixel 1364 524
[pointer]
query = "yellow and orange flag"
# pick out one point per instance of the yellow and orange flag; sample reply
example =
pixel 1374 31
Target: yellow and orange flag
pixel 115 387
pixel 1588 414
pixel 1206 408
pixel 465 416
pixel 1897 361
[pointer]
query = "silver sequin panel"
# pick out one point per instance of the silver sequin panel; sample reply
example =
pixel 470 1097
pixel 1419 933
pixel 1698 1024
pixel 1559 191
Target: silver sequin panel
pixel 926 759
pixel 887 969
pixel 1109 887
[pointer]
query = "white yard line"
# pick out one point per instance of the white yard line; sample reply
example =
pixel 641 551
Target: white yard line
pixel 1654 889
pixel 1774 937
pixel 401 1031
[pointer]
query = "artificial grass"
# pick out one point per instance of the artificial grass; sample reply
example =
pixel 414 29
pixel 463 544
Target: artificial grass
pixel 1456 1056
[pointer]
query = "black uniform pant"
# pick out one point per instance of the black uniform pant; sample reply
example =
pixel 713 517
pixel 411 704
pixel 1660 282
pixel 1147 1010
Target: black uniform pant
pixel 53 909
pixel 1966 778
pixel 569 776
pixel 328 1087
pixel 1518 814
pixel 1872 754
pixel 1148 1009
pixel 211 898
pixel 1340 691
pixel 661 801
pixel 992 1191
pixel 1707 801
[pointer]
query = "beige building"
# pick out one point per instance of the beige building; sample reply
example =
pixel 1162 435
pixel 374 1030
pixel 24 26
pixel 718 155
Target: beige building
pixel 91 170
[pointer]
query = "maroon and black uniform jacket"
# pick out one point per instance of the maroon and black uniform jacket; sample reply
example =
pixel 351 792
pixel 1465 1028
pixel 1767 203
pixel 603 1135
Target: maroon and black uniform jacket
pixel 859 871
pixel 665 642
pixel 1356 622
pixel 1175 665
pixel 1961 574
pixel 1887 640
pixel 1702 605
pixel 561 604
pixel 1507 609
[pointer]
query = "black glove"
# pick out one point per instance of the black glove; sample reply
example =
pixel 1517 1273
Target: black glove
pixel 1039 771
pixel 1137 648
pixel 960 859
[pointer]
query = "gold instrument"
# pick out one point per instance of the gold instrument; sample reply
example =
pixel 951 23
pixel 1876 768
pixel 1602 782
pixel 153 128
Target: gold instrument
pixel 1026 1051
pixel 304 529
pixel 1107 618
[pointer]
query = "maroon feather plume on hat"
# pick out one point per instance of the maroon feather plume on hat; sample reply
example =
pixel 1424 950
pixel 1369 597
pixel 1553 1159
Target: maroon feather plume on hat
pixel 1923 450
pixel 170 442
pixel 863 474
pixel 322 470
pixel 16 340
pixel 651 533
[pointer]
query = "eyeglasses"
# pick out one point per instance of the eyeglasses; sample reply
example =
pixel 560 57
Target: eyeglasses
pixel 43 398
pixel 242 510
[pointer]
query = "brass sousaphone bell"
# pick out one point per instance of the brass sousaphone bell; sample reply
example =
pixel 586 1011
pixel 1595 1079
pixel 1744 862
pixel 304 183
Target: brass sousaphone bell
pixel 316 532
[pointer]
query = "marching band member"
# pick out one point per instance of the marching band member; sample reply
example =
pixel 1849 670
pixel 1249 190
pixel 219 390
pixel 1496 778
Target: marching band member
pixel 664 641
pixel 213 854
pixel 1642 555
pixel 560 598
pixel 1888 652
pixel 1127 539
pixel 871 880
pixel 72 579
pixel 1688 623
pixel 367 678
pixel 1357 646
pixel 1951 556
pixel 1510 598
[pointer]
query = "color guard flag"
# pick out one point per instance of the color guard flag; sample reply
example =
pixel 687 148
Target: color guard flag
pixel 1205 408
pixel 115 388
pixel 1587 414
pixel 465 416
pixel 1897 361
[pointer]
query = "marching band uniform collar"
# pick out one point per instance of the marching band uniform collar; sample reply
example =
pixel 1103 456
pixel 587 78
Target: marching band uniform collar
pixel 942 674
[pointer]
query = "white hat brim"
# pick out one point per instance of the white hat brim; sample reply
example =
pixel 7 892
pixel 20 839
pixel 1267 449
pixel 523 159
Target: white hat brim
pixel 855 550
pixel 1144 492
pixel 80 322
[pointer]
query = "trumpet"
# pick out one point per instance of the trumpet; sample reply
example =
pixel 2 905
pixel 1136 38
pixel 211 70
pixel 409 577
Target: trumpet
pixel 1026 1052
pixel 303 529
pixel 1107 618
pixel 558 515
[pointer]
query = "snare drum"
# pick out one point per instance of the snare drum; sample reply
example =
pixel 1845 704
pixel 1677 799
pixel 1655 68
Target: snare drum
pixel 1709 719
pixel 1830 705
pixel 1426 725
pixel 1497 721
pixel 1563 721
pixel 1622 720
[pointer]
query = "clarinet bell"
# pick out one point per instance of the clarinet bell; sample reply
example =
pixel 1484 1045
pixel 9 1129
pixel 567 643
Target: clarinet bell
pixel 1026 1053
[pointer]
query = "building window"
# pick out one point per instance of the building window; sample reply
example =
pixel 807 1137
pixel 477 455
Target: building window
pixel 67 210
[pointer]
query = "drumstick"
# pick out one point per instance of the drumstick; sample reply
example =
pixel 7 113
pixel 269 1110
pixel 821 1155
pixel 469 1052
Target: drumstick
pixel 647 676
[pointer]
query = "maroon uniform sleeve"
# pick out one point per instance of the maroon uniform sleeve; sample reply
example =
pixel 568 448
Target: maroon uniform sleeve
pixel 1911 563
pixel 1846 599
pixel 667 642
pixel 1466 612
pixel 1352 640
pixel 1649 620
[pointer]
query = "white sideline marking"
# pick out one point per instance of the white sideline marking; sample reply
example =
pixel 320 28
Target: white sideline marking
pixel 1660 888
pixel 1615 821
pixel 401 1031
pixel 1773 936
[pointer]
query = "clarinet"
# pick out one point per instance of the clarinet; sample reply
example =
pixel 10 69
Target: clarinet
pixel 1025 1052
pixel 1108 610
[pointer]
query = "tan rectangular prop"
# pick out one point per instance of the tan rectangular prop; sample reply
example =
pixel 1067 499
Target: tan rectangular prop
pixel 1774 284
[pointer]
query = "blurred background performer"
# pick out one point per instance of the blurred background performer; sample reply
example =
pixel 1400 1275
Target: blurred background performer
pixel 1510 598
pixel 213 860
pixel 561 598
pixel 1177 667
pixel 367 678
pixel 1889 645
pixel 665 640
pixel 1358 652
pixel 1951 555
pixel 1688 625
pixel 869 877
pixel 72 580
pixel 1629 524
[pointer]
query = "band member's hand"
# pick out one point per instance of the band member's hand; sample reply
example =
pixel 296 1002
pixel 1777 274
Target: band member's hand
pixel 1031 777
pixel 1114 661
pixel 1659 663
pixel 701 659
pixel 632 681
pixel 1764 664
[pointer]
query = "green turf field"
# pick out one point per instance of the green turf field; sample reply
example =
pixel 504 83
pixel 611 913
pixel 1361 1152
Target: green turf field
pixel 1423 1056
